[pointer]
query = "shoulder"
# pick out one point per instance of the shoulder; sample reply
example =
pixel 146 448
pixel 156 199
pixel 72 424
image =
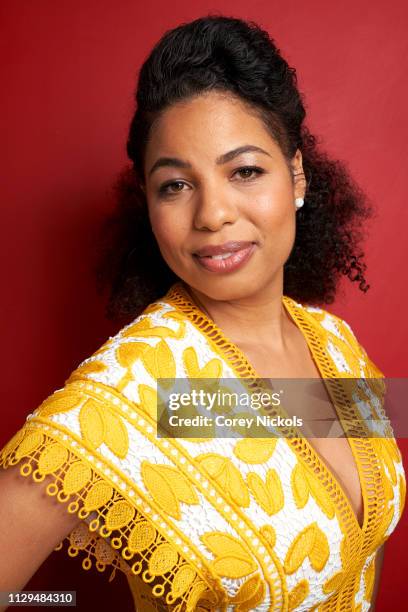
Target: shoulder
pixel 326 322
pixel 340 336
pixel 138 347
pixel 332 324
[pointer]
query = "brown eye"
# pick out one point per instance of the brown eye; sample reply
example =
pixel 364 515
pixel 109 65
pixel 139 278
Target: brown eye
pixel 164 188
pixel 249 170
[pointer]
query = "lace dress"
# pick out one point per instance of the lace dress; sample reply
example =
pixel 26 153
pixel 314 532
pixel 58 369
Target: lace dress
pixel 217 523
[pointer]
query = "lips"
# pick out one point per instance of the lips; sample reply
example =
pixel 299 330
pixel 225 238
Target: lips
pixel 223 249
pixel 225 258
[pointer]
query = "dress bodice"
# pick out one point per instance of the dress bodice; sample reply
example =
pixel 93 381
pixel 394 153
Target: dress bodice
pixel 218 523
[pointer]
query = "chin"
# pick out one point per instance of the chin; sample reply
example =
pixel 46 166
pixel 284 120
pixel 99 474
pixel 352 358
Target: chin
pixel 225 289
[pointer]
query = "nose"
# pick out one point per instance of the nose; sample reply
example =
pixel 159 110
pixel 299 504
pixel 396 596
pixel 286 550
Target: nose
pixel 214 209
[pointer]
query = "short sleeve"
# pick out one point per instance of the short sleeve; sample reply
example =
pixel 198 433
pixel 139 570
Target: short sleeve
pixel 60 440
pixel 87 438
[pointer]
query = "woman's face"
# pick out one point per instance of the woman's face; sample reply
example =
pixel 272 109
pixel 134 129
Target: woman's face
pixel 201 194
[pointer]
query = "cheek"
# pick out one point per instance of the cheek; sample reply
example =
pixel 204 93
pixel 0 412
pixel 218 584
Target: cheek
pixel 169 231
pixel 276 219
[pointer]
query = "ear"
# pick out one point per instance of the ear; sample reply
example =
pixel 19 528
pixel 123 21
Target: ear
pixel 299 179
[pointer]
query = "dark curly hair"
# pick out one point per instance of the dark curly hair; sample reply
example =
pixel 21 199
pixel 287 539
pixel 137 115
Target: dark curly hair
pixel 236 56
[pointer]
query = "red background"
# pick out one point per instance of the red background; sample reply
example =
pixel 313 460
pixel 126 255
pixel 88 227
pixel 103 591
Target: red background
pixel 68 72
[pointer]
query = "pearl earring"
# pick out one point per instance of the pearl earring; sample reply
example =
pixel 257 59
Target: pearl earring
pixel 299 203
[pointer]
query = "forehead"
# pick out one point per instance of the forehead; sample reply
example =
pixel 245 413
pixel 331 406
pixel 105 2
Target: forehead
pixel 208 124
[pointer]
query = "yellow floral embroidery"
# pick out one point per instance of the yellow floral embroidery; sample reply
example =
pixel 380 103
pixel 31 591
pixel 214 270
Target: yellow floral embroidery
pixel 92 366
pixel 232 559
pixel 269 534
pixel 148 400
pixel 92 423
pixel 168 486
pixel 147 329
pixel 53 457
pixel 116 436
pixel 76 477
pixel 138 328
pixel 250 594
pixel 119 515
pixel 141 527
pixel 100 425
pixel 29 444
pixel 127 354
pixel 177 316
pixel 268 494
pixel 98 495
pixel 159 361
pixel 300 486
pixel 255 450
pixel 298 594
pixel 305 483
pixel 163 559
pixel 310 542
pixel 212 369
pixel 333 583
pixel 114 517
pixel 141 537
pixel 58 402
pixel 227 475
pixel 200 593
pixel 183 578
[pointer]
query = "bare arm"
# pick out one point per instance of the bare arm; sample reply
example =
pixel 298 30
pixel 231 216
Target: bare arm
pixel 378 567
pixel 32 524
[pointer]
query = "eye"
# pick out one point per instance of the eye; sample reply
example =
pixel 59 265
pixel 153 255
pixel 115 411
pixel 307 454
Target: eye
pixel 164 189
pixel 250 169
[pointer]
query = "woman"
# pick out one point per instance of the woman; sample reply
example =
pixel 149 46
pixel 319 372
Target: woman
pixel 232 228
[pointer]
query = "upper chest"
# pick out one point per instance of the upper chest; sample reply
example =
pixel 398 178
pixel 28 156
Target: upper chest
pixel 315 403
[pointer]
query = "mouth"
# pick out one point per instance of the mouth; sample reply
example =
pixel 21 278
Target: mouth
pixel 226 257
pixel 215 250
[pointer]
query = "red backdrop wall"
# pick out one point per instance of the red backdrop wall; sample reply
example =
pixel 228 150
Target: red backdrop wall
pixel 68 72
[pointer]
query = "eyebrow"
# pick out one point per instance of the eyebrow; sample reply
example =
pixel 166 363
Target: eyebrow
pixel 175 162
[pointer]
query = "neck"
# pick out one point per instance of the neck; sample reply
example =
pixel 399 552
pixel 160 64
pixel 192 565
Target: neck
pixel 252 320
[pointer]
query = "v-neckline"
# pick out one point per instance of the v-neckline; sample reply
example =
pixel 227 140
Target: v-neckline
pixel 180 298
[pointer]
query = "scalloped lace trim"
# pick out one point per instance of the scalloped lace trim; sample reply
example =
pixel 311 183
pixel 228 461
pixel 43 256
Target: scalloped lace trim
pixel 117 534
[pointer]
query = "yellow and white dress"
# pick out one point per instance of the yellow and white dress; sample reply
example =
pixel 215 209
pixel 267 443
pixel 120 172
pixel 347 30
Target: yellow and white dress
pixel 211 524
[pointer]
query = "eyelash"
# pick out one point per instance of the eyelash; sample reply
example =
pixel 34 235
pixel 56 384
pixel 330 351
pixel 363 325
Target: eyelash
pixel 258 171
